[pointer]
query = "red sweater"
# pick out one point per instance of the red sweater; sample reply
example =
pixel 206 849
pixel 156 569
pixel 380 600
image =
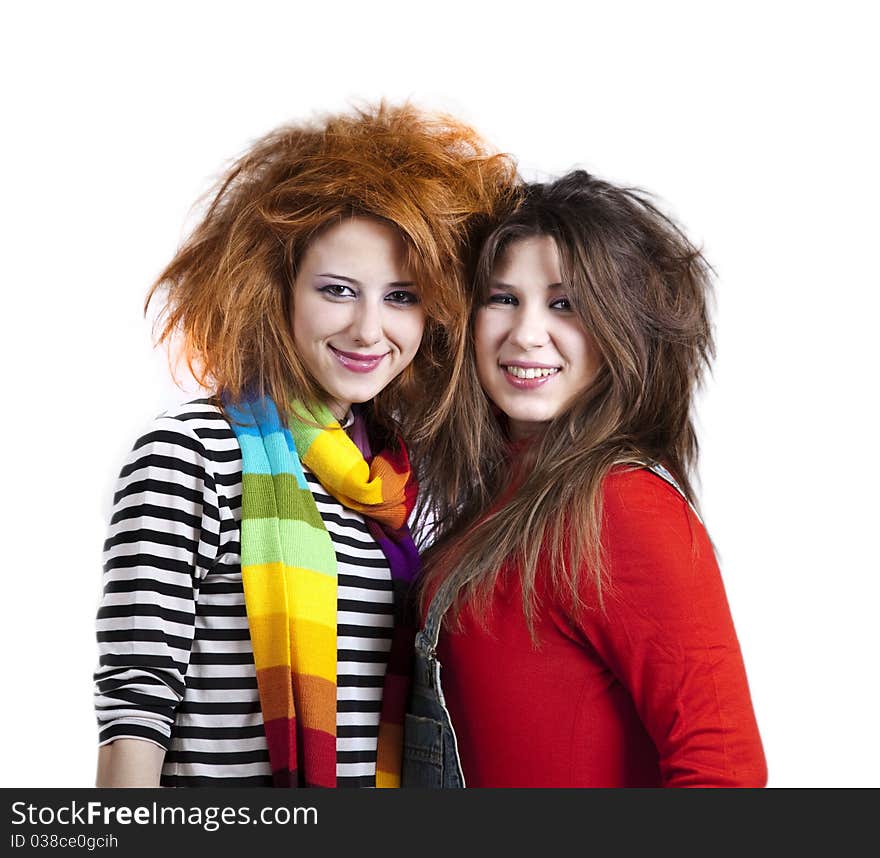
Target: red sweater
pixel 649 692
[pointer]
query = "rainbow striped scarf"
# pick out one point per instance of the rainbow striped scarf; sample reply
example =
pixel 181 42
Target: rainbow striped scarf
pixel 288 567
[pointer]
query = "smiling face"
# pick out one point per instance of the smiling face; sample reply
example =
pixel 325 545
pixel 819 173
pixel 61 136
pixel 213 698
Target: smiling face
pixel 533 354
pixel 357 317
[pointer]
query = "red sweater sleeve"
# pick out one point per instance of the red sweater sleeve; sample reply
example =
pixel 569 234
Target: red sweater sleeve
pixel 667 634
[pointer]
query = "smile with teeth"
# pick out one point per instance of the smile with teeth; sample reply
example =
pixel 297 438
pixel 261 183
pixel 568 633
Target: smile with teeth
pixel 530 372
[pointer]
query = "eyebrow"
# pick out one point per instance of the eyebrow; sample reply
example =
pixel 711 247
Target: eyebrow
pixel 498 284
pixel 396 283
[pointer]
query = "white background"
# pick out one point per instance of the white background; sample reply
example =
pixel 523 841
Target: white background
pixel 756 127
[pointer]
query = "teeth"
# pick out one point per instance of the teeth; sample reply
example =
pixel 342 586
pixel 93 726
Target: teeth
pixel 531 372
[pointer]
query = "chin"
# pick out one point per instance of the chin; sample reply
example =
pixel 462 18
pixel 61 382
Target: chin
pixel 532 412
pixel 357 395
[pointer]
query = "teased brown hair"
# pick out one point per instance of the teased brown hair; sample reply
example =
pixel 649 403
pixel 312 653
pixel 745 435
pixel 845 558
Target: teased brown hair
pixel 641 289
pixel 227 292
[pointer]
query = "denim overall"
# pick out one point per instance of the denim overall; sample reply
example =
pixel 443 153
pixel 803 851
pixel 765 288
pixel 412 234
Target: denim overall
pixel 430 749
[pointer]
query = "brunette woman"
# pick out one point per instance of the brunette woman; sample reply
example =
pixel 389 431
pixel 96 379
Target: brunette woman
pixel 249 631
pixel 584 634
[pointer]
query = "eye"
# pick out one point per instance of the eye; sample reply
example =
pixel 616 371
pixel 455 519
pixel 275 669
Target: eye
pixel 502 299
pixel 402 297
pixel 562 303
pixel 337 290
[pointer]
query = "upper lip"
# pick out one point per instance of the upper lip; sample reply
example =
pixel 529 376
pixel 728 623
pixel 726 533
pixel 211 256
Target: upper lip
pixel 358 355
pixel 528 364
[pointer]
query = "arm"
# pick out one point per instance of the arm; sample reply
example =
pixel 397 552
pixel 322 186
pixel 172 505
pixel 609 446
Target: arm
pixel 129 763
pixel 161 541
pixel 668 636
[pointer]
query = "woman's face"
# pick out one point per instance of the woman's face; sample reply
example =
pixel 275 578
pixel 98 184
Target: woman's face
pixel 533 354
pixel 357 317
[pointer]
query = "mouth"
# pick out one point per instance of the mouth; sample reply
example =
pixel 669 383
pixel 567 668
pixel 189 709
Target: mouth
pixel 357 361
pixel 528 376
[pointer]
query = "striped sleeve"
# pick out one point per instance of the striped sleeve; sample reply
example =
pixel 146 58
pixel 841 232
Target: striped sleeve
pixel 162 540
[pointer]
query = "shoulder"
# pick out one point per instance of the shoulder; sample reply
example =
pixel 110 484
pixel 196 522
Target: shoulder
pixel 661 568
pixel 199 425
pixel 634 492
pixel 199 417
pixel 192 440
pixel 642 514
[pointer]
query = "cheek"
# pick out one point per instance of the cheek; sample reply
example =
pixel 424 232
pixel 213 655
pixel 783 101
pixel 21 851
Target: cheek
pixel 584 355
pixel 314 320
pixel 303 314
pixel 305 330
pixel 485 344
pixel 412 328
pixel 298 325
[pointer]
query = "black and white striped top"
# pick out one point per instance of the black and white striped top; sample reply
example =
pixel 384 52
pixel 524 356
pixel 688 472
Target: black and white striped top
pixel 176 665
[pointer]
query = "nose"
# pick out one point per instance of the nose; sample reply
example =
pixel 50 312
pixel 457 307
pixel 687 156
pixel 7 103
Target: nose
pixel 366 326
pixel 529 329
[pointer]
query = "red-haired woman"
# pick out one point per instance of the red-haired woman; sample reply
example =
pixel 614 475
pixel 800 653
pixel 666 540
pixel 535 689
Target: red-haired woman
pixel 250 629
pixel 573 597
